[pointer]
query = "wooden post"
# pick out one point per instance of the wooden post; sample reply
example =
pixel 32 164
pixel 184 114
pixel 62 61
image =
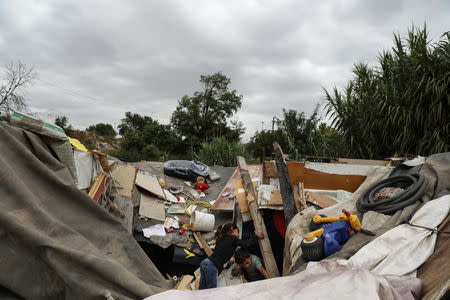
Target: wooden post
pixel 287 193
pixel 202 243
pixel 264 244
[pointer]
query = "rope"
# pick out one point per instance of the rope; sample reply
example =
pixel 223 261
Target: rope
pixel 191 201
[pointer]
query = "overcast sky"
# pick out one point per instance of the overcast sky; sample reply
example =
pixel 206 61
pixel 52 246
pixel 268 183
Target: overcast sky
pixel 98 59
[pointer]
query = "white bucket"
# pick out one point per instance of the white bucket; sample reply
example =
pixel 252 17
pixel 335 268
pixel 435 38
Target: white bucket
pixel 202 221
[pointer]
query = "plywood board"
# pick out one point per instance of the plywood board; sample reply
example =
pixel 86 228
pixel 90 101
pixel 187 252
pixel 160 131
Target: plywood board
pixel 313 179
pixel 184 283
pixel 151 184
pixel 319 200
pixel 152 207
pixel 275 198
pixel 224 203
pixel 125 176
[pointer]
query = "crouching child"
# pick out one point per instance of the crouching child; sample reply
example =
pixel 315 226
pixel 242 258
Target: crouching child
pixel 249 265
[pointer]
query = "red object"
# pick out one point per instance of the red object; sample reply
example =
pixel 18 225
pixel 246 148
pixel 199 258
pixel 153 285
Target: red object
pixel 349 230
pixel 169 230
pixel 180 231
pixel 201 185
pixel 280 222
pixel 346 212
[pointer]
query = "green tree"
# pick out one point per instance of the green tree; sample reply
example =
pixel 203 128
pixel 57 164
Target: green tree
pixel 145 138
pixel 299 136
pixel 102 129
pixel 204 115
pixel 400 106
pixel 63 122
pixel 220 151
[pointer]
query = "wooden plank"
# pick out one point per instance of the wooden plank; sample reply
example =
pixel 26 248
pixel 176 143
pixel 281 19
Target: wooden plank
pixel 270 169
pixel 302 197
pixel 99 187
pixel 184 283
pixel 275 198
pixel 319 200
pixel 152 207
pixel 287 193
pixel 223 203
pixel 125 177
pixel 264 244
pixel 313 179
pixel 150 184
pixel 202 243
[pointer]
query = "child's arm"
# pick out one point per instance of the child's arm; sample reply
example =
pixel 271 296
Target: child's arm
pixel 264 272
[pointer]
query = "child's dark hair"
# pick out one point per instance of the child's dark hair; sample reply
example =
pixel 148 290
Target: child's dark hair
pixel 224 229
pixel 241 255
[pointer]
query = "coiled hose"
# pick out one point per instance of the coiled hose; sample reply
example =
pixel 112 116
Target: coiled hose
pixel 414 187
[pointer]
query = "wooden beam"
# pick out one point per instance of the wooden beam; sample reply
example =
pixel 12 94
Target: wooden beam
pixel 287 193
pixel 301 192
pixel 202 243
pixel 264 244
pixel 184 283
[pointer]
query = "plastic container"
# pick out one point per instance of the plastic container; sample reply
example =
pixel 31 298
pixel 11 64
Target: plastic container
pixel 202 221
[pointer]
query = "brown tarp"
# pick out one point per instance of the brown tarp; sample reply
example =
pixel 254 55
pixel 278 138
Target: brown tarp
pixel 55 241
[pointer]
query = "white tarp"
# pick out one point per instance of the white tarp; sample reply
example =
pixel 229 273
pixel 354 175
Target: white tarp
pixel 85 165
pixel 327 280
pixel 404 248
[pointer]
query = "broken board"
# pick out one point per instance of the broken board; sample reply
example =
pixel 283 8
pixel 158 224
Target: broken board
pixel 224 203
pixel 152 207
pixel 319 200
pixel 125 176
pixel 151 184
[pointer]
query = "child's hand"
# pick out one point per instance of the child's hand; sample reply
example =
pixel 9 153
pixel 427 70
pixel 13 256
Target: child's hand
pixel 260 235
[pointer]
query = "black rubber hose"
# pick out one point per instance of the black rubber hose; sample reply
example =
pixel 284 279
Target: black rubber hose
pixel 414 187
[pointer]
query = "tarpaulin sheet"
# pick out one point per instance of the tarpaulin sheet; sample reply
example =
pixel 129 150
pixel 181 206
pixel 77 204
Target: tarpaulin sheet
pixel 404 248
pixel 323 281
pixel 55 241
pixel 436 169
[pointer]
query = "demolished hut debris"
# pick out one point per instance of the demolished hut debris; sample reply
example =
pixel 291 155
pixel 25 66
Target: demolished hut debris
pixel 141 220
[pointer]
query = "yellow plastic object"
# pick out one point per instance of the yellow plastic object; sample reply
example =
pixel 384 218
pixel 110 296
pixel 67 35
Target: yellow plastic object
pixel 189 253
pixel 316 233
pixel 353 220
pixel 77 144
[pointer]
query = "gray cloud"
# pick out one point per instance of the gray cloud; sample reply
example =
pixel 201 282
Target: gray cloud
pixel 99 59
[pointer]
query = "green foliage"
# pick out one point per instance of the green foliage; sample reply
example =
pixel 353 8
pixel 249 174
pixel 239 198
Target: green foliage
pixel 146 139
pixel 220 151
pixel 400 106
pixel 102 129
pixel 63 122
pixel 298 136
pixel 204 115
pixel 260 145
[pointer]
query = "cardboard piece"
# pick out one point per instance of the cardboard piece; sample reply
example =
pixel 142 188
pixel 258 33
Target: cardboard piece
pixel 319 200
pixel 184 283
pixel 151 184
pixel 152 207
pixel 275 198
pixel 125 177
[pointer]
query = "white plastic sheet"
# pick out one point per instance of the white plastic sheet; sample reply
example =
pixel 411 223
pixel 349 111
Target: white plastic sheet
pixel 404 248
pixel 85 165
pixel 317 283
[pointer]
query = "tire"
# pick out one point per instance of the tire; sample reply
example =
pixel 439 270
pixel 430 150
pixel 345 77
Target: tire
pixel 313 226
pixel 313 251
